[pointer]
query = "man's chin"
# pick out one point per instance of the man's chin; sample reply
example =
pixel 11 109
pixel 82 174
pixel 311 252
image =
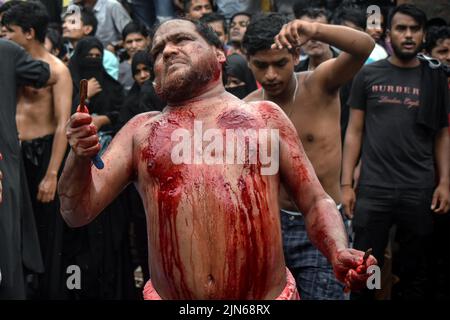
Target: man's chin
pixel 407 55
pixel 174 93
pixel 274 93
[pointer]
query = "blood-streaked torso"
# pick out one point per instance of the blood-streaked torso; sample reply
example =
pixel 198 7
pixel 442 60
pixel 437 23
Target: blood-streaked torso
pixel 214 230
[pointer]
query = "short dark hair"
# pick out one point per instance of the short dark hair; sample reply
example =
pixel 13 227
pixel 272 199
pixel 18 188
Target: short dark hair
pixel 434 34
pixel 56 39
pixel 261 32
pixel 414 12
pixel 28 15
pixel 87 17
pixel 214 17
pixel 312 13
pixel 9 4
pixel 354 15
pixel 203 29
pixel 188 4
pixel 241 13
pixel 134 27
pixel 303 5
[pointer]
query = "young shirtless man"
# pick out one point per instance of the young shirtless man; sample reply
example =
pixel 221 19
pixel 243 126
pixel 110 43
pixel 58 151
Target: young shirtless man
pixel 213 229
pixel 311 101
pixel 41 118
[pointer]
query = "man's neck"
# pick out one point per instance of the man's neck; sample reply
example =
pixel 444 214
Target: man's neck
pixel 410 63
pixel 212 90
pixel 74 42
pixel 315 61
pixel 36 49
pixel 288 95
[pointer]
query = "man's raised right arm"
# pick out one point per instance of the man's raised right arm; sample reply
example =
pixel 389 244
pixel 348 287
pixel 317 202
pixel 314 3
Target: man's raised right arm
pixel 85 191
pixel 356 47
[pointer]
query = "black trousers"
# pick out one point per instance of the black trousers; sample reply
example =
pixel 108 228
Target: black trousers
pixel 50 225
pixel 377 210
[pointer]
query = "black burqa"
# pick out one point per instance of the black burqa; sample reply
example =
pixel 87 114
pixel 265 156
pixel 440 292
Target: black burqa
pixel 237 67
pixel 101 248
pixel 141 98
pixel 19 245
pixel 108 101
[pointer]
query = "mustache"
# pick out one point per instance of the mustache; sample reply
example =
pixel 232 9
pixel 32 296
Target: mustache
pixel 270 84
pixel 174 60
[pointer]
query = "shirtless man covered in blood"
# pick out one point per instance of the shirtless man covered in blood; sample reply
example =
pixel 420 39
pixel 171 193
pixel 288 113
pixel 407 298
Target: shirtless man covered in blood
pixel 213 220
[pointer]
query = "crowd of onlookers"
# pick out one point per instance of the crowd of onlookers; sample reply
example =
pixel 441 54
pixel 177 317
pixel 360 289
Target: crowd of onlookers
pixel 107 42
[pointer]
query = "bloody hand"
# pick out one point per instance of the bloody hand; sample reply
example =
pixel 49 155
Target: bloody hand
pixel 350 268
pixel 82 135
pixel 96 160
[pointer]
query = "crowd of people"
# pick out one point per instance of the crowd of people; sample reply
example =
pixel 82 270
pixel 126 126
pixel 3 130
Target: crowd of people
pixel 361 101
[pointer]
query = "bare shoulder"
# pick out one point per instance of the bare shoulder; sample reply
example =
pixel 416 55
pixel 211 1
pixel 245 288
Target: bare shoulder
pixel 264 108
pixel 142 119
pixel 254 96
pixel 57 67
pixel 267 109
pixel 303 77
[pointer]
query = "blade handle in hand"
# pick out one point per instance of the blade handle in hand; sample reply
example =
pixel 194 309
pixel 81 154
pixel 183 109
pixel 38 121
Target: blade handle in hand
pixel 96 160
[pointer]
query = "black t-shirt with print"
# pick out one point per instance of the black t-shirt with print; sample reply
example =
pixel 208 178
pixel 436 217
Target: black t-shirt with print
pixel 396 152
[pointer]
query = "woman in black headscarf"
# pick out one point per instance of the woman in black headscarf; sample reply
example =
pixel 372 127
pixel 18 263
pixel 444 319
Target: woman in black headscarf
pixel 105 94
pixel 101 249
pixel 142 96
pixel 240 79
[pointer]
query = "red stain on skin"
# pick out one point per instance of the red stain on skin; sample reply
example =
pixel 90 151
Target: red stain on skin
pixel 244 208
pixel 171 180
pixel 276 119
pixel 244 223
pixel 237 119
pixel 252 211
pixel 255 213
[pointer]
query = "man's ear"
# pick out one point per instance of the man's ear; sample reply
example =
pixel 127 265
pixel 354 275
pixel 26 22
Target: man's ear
pixel 30 34
pixel 87 30
pixel 220 55
pixel 55 51
pixel 249 65
pixel 388 35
